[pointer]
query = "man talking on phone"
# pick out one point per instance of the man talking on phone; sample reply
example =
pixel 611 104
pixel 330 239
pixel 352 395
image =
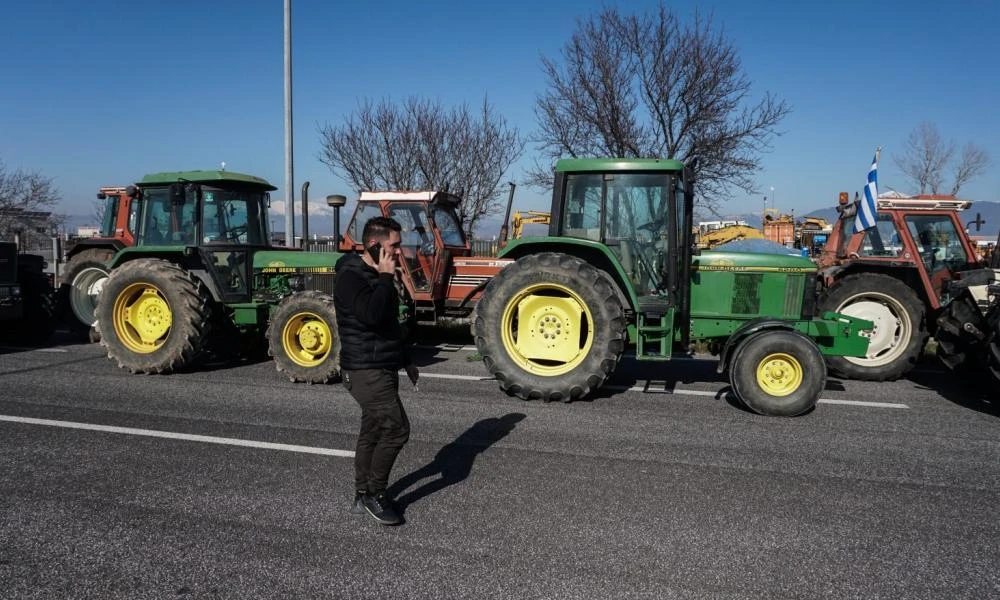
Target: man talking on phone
pixel 371 354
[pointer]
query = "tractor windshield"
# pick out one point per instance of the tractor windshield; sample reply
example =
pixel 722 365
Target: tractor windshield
pixel 449 225
pixel 164 223
pixel 629 212
pixel 108 215
pixel 233 217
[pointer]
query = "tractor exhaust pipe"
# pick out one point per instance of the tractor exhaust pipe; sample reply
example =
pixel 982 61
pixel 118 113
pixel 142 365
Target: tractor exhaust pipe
pixel 506 217
pixel 305 216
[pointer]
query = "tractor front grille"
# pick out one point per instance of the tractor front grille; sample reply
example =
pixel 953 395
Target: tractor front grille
pixel 320 282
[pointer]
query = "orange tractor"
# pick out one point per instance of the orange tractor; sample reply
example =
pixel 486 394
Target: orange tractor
pixel 86 269
pixel 442 280
pixel 895 274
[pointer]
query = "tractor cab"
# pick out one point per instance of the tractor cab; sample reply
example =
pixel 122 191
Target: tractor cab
pixel 432 235
pixel 921 238
pixel 217 216
pixel 643 217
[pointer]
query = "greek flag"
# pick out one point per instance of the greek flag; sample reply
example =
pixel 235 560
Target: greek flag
pixel 868 208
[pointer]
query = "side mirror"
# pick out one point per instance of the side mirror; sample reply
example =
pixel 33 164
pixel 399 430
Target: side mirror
pixel 131 191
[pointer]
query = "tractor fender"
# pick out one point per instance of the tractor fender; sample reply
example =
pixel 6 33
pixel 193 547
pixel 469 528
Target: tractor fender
pixel 746 330
pixel 79 246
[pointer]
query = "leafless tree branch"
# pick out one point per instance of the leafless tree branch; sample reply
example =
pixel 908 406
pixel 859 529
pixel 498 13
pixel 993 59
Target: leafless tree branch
pixel 422 145
pixel 649 85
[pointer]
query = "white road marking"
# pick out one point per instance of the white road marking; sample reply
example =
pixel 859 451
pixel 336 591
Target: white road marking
pixel 651 388
pixel 457 377
pixel 863 403
pixel 179 436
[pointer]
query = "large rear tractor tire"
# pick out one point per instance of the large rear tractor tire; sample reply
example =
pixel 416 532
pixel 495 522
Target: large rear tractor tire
pixel 302 338
pixel 550 327
pixel 80 286
pixel 778 373
pixel 153 316
pixel 899 335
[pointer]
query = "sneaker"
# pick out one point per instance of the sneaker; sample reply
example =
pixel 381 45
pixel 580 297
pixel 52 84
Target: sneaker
pixel 380 508
pixel 357 508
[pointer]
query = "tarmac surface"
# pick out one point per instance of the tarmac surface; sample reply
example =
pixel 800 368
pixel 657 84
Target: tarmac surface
pixel 228 481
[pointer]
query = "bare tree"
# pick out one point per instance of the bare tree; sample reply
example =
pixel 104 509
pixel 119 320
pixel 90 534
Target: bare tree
pixel 423 145
pixel 926 156
pixel 24 198
pixel 650 86
pixel 974 162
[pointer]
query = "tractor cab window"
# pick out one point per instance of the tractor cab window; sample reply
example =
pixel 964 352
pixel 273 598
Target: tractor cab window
pixel 883 239
pixel 449 225
pixel 159 217
pixel 109 215
pixel 232 217
pixel 937 241
pixel 362 214
pixel 582 216
pixel 417 241
pixel 165 222
pixel 636 220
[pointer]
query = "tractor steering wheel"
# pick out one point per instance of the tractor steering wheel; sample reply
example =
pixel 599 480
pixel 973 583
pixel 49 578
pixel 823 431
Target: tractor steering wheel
pixel 236 232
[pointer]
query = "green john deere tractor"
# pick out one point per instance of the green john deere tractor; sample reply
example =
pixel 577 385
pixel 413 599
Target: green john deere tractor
pixel 203 270
pixel 619 269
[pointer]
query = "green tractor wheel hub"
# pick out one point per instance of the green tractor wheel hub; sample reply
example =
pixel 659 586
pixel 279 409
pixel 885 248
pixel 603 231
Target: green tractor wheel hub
pixel 547 329
pixel 142 318
pixel 779 374
pixel 307 339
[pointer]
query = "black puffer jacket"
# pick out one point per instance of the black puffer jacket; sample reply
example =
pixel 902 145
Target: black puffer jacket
pixel 367 317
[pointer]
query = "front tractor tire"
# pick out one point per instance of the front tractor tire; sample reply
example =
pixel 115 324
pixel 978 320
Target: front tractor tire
pixel 81 283
pixel 778 373
pixel 550 327
pixel 899 335
pixel 302 338
pixel 153 316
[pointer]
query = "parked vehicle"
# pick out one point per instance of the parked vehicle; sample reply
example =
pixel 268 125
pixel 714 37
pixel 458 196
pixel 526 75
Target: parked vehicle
pixel 619 270
pixel 895 275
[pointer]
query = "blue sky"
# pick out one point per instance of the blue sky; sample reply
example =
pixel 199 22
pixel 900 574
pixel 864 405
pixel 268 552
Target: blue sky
pixel 101 92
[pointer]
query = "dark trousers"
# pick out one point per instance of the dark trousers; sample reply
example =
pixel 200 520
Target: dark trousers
pixel 384 426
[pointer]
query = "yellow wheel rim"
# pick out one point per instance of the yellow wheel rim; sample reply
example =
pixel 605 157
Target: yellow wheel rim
pixel 142 318
pixel 779 374
pixel 307 339
pixel 547 329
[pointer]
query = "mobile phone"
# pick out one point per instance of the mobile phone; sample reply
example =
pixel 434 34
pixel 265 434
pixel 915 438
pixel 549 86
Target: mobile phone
pixel 375 251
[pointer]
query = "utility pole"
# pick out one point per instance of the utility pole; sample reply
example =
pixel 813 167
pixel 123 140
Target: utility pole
pixel 289 171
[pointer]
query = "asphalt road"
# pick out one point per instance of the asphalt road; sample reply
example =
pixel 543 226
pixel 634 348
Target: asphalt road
pixel 660 487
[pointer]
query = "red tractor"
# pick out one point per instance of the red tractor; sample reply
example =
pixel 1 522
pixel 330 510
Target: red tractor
pixel 86 269
pixel 895 274
pixel 442 280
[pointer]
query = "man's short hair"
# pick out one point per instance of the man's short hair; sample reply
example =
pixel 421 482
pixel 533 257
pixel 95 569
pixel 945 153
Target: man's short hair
pixel 378 228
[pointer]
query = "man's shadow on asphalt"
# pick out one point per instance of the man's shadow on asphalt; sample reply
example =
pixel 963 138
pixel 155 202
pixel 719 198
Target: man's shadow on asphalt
pixel 453 462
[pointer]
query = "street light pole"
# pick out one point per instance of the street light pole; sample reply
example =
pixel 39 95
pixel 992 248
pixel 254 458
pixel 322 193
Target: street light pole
pixel 289 171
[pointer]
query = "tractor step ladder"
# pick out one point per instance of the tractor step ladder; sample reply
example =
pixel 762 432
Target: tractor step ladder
pixel 654 329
